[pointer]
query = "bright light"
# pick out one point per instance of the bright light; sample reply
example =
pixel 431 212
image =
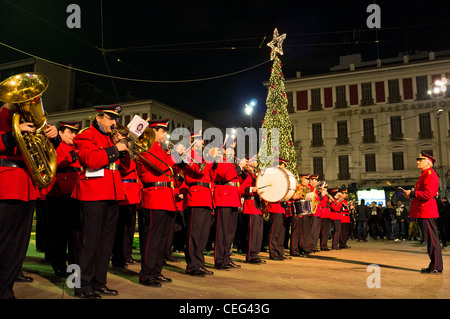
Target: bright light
pixel 248 109
pixel 436 90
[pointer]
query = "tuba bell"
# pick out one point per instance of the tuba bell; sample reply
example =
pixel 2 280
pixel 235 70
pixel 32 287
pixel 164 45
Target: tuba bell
pixel 25 92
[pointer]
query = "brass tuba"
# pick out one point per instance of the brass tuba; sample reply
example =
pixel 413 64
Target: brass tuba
pixel 24 91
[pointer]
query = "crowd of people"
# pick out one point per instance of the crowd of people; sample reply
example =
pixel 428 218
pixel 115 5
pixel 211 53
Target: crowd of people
pixel 181 201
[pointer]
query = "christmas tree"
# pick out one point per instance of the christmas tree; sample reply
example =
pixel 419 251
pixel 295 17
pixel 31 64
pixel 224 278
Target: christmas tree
pixel 277 140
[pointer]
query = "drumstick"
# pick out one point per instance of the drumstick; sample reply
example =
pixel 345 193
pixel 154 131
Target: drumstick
pixel 264 186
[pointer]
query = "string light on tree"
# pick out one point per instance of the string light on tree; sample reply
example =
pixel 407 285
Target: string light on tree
pixel 277 116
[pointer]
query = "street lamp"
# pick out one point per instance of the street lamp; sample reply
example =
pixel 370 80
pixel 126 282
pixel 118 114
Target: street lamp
pixel 249 109
pixel 439 87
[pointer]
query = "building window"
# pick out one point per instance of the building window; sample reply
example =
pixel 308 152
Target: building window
pixel 370 163
pixel 369 131
pixel 318 167
pixel 342 136
pixel 344 169
pixel 397 161
pixel 317 139
pixel 290 98
pixel 396 128
pixel 341 98
pixel 316 103
pixel 422 87
pixel 394 91
pixel 425 126
pixel 366 94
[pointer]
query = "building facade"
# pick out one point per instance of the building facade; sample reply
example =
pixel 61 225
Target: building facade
pixel 147 109
pixel 59 95
pixel 364 123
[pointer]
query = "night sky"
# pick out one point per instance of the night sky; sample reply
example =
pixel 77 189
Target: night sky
pixel 184 40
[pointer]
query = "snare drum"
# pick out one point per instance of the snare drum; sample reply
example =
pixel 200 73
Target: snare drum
pixel 303 207
pixel 275 184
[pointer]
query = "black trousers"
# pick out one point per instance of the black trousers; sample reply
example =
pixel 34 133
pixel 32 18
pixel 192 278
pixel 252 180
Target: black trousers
pixel 123 242
pixel 170 234
pixel 98 229
pixel 296 227
pixel 337 233
pixel 430 234
pixel 345 232
pixel 64 227
pixel 305 234
pixel 276 235
pixel 198 224
pixel 16 218
pixel 254 236
pixel 226 222
pixel 315 232
pixel 153 236
pixel 325 233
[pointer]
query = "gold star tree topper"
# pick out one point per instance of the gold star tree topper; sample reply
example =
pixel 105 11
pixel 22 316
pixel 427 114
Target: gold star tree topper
pixel 276 44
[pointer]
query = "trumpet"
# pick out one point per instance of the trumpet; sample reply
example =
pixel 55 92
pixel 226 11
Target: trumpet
pixel 142 144
pixel 185 151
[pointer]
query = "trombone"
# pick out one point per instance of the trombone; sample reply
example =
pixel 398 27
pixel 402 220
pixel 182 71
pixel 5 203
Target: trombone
pixel 143 144
pixel 185 152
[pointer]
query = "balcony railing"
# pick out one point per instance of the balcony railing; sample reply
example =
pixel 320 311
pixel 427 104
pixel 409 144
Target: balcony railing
pixel 343 140
pixel 367 102
pixel 343 176
pixel 395 99
pixel 396 137
pixel 341 104
pixel 317 107
pixel 426 135
pixel 316 142
pixel 369 139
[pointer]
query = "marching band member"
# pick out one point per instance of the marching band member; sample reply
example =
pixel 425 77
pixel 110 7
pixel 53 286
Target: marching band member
pixel 316 222
pixel 336 207
pixel 424 208
pixel 65 225
pixel 99 190
pixel 252 208
pixel 345 221
pixel 277 230
pixel 299 239
pixel 227 200
pixel 158 201
pixel 325 204
pixel 199 202
pixel 18 195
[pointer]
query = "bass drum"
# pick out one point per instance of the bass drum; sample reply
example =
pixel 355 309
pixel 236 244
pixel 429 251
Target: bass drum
pixel 275 184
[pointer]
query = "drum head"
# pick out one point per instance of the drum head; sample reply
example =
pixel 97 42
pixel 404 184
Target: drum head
pixel 272 184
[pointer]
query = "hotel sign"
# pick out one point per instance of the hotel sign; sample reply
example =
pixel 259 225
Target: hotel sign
pixel 395 108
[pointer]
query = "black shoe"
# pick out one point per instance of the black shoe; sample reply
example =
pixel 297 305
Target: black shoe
pixel 431 271
pixel 222 267
pixel 276 258
pixel 150 282
pixel 197 273
pixel 286 257
pixel 130 261
pixel 24 279
pixel 161 278
pixel 254 261
pixel 106 291
pixel 233 265
pixel 206 271
pixel 87 295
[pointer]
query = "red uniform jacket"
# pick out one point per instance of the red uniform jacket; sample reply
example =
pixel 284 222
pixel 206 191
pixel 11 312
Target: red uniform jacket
pixel 131 186
pixel 336 210
pixel 227 195
pixel 345 213
pixel 67 173
pixel 157 197
pixel 200 195
pixel 276 208
pixel 180 189
pixel 249 196
pixel 97 151
pixel 325 205
pixel 15 182
pixel 423 202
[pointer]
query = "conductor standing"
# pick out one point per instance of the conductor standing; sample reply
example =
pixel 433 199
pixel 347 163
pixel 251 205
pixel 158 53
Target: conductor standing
pixel 424 208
